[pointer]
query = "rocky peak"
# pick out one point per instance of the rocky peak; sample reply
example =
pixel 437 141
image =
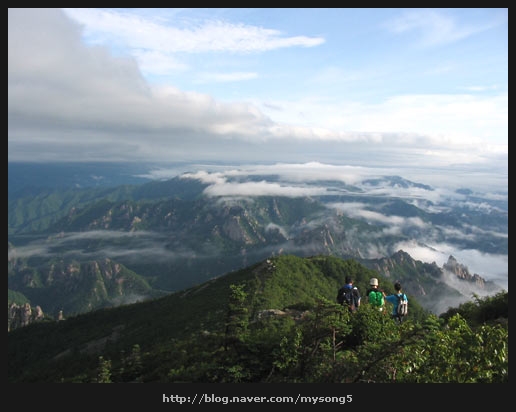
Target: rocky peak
pixel 22 315
pixel 462 271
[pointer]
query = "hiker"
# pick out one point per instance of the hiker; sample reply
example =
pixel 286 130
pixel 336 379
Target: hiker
pixel 349 295
pixel 375 295
pixel 398 311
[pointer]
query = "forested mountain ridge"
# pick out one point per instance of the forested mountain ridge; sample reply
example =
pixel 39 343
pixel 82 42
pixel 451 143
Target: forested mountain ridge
pixel 275 321
pixel 65 286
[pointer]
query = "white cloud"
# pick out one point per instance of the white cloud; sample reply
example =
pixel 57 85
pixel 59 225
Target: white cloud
pixel 262 188
pixel 199 37
pixel 440 179
pixel 434 28
pixel 273 227
pixel 206 177
pixel 359 211
pixel 458 121
pixel 143 246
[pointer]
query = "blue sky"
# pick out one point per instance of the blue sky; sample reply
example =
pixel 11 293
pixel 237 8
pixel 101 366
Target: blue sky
pixel 324 68
pixel 408 87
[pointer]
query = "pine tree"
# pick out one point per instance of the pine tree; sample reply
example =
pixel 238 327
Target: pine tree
pixel 103 371
pixel 237 317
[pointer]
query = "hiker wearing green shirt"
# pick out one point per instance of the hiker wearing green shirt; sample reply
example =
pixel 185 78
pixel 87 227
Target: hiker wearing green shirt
pixel 375 296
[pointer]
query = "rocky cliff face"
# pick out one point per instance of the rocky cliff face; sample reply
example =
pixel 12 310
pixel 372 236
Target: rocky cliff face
pixel 390 267
pixel 417 278
pixel 74 287
pixel 18 316
pixel 462 272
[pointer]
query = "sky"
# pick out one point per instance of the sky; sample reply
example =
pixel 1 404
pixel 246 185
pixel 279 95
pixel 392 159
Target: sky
pixel 407 87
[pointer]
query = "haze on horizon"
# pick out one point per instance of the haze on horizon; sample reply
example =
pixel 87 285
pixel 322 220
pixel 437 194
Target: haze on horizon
pixel 414 88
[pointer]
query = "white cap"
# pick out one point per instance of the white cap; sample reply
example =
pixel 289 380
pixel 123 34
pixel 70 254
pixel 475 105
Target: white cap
pixel 373 282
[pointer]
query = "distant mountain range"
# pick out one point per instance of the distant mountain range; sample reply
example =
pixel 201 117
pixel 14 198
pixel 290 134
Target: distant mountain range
pixel 75 249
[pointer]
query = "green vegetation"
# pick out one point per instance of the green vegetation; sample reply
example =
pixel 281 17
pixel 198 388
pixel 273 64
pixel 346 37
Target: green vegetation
pixel 16 297
pixel 75 287
pixel 275 322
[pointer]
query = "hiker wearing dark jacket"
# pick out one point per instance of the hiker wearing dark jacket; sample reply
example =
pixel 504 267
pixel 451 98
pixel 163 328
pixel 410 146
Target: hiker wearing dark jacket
pixel 354 294
pixel 394 299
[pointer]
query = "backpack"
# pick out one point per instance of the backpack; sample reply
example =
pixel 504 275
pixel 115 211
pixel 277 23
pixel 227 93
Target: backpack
pixel 402 308
pixel 376 298
pixel 346 296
